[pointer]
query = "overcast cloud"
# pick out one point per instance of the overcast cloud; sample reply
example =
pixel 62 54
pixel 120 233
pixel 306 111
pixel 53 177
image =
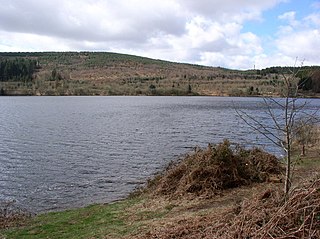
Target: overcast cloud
pixel 209 32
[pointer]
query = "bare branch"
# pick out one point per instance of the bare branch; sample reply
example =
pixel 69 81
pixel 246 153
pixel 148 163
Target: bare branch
pixel 283 125
pixel 259 127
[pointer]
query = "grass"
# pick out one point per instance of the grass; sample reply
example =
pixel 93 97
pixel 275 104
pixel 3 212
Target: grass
pixel 115 220
pixel 96 221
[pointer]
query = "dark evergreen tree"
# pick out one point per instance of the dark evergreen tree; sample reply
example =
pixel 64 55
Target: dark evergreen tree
pixel 18 69
pixel 189 89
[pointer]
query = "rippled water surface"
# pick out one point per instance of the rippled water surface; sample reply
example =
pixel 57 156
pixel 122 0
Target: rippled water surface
pixel 64 152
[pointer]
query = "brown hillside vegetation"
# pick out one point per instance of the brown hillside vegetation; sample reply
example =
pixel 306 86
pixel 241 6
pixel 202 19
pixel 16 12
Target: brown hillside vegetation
pixel 105 73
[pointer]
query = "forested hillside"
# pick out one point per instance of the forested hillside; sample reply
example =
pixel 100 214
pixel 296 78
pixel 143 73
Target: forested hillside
pixel 103 73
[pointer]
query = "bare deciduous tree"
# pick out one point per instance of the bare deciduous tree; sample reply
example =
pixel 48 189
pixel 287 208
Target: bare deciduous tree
pixel 283 112
pixel 305 131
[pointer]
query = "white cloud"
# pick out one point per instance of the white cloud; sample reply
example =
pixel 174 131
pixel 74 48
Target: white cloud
pixel 229 9
pixel 303 44
pixel 300 38
pixel 290 17
pixel 15 42
pixel 206 32
pixel 220 59
pixel 93 20
pixel 239 55
pixel 313 20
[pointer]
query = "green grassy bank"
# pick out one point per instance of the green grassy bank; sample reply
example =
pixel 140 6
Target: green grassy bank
pixel 95 221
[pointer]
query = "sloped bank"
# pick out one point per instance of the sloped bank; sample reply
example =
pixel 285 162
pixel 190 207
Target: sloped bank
pixel 264 216
pixel 222 191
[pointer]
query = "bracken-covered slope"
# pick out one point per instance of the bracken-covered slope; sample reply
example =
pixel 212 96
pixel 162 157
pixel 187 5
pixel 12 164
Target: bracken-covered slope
pixel 105 73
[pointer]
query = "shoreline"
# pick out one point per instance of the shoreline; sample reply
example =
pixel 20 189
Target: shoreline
pixel 143 215
pixel 197 95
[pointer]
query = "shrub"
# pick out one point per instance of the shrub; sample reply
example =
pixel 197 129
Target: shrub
pixel 207 171
pixel 12 215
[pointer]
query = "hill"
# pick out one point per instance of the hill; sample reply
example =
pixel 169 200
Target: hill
pixel 105 73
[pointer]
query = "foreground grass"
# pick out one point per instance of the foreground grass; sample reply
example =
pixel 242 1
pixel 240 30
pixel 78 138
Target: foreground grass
pixel 116 220
pixel 96 221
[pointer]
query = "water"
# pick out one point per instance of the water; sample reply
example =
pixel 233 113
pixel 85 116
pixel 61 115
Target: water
pixel 64 152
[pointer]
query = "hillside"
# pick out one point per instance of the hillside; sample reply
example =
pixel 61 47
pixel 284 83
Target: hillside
pixel 103 73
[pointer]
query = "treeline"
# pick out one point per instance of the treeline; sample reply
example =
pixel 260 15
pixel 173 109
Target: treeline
pixel 18 69
pixel 309 76
pixel 310 81
pixel 287 70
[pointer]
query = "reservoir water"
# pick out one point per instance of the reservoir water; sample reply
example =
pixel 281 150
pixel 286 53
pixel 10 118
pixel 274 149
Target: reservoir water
pixel 65 152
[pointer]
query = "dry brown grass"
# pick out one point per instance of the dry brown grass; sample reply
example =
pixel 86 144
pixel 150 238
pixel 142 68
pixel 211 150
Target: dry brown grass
pixel 12 215
pixel 256 210
pixel 264 216
pixel 206 172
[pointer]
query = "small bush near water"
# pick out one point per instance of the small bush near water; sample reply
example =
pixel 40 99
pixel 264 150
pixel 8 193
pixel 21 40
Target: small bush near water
pixel 11 215
pixel 207 171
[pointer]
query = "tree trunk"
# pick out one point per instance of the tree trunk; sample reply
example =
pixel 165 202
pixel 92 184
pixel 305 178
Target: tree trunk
pixel 287 148
pixel 303 151
pixel 287 183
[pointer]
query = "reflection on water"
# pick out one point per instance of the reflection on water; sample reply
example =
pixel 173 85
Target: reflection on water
pixel 62 152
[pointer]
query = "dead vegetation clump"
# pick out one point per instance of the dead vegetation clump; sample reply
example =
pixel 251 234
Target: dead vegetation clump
pixel 265 216
pixel 11 215
pixel 207 171
pixel 268 216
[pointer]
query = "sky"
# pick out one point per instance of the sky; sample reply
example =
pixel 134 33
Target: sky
pixel 236 34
